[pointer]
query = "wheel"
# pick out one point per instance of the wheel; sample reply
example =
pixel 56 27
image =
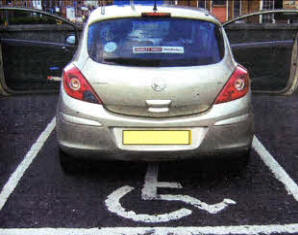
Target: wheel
pixel 68 163
pixel 240 161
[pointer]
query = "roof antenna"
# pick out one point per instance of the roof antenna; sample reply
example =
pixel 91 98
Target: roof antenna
pixel 155 6
pixel 102 8
pixel 132 5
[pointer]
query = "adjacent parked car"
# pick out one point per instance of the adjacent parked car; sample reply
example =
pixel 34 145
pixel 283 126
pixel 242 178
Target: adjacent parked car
pixel 153 85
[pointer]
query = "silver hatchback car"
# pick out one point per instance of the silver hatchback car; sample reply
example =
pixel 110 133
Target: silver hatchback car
pixel 153 85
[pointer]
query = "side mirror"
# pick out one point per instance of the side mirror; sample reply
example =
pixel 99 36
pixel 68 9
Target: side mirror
pixel 71 39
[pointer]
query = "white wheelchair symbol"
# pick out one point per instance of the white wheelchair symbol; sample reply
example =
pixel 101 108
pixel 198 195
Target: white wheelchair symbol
pixel 149 192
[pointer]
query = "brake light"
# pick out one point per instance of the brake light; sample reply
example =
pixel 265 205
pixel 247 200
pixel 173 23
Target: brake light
pixel 236 87
pixel 156 14
pixel 76 86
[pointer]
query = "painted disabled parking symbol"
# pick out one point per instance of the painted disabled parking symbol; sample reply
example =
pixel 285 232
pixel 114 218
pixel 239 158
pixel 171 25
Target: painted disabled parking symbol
pixel 149 192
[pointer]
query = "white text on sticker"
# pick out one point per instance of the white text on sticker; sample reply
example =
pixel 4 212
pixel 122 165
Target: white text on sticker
pixel 165 49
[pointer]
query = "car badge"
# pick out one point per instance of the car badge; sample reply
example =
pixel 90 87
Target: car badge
pixel 158 85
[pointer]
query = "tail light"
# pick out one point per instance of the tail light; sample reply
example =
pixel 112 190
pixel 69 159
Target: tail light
pixel 76 86
pixel 236 87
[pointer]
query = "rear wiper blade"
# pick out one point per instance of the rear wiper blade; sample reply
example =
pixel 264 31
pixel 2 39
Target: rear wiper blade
pixel 130 61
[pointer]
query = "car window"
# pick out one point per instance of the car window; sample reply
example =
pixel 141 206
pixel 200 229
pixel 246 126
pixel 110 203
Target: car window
pixel 38 45
pixel 264 44
pixel 26 17
pixel 155 42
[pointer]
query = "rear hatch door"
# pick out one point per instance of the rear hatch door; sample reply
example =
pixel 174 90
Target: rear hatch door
pixel 156 67
pixel 153 92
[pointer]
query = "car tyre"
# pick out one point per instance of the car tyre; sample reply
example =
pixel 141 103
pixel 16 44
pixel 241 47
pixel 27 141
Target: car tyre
pixel 68 163
pixel 241 160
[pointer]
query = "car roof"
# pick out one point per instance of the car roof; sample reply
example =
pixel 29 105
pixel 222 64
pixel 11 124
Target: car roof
pixel 114 12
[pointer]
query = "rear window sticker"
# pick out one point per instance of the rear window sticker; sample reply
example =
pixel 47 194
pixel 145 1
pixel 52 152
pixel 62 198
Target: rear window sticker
pixel 110 47
pixel 158 49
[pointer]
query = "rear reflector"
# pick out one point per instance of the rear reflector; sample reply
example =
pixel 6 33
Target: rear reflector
pixel 156 14
pixel 237 86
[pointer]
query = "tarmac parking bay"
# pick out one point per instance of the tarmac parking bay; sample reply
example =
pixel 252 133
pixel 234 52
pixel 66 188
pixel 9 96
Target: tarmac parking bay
pixel 190 197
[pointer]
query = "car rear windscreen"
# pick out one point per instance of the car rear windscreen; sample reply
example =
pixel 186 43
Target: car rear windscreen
pixel 155 42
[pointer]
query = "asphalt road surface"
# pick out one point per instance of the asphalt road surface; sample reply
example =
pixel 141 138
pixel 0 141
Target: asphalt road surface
pixel 189 197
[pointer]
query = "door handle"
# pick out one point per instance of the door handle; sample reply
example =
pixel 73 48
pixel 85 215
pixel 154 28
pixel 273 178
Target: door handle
pixel 158 106
pixel 65 49
pixel 158 110
pixel 158 103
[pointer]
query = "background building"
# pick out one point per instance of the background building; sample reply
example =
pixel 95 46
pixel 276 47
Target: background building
pixel 229 9
pixel 78 10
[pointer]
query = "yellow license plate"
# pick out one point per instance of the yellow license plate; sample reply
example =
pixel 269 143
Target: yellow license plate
pixel 157 137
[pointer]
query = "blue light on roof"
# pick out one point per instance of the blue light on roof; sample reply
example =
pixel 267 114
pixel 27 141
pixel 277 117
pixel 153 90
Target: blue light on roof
pixel 142 2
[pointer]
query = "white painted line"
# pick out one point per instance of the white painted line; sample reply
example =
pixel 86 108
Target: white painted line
pixel 113 205
pixel 15 177
pixel 149 191
pixel 279 173
pixel 168 185
pixel 210 208
pixel 221 230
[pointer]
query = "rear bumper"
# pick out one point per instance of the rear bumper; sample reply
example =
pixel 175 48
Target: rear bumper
pixel 222 131
pixel 99 143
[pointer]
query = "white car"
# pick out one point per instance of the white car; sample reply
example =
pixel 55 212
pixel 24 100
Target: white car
pixel 154 85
